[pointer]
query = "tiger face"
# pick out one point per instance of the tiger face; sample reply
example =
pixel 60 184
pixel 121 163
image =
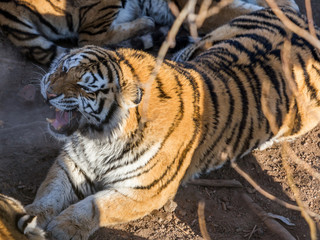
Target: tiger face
pixel 85 91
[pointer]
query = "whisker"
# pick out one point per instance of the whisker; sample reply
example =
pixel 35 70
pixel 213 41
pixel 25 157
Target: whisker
pixel 40 68
pixel 83 115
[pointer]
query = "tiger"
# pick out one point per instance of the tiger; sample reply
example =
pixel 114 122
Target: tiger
pixel 41 28
pixel 15 224
pixel 130 142
pixel 38 27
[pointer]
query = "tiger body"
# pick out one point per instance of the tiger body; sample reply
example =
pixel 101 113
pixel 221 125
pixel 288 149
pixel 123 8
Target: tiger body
pixel 15 224
pixel 37 26
pixel 130 144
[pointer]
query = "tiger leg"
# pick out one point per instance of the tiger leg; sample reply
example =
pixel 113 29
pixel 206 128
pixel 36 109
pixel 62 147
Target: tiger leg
pixel 118 32
pixel 55 193
pixel 104 208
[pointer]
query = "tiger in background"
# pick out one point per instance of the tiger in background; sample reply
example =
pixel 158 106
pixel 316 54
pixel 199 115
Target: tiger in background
pixel 130 143
pixel 39 27
pixel 15 224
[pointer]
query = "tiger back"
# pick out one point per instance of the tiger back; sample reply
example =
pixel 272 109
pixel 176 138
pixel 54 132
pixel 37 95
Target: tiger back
pixel 15 224
pixel 129 142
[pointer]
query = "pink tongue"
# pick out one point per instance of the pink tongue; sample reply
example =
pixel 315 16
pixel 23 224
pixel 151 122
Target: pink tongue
pixel 62 118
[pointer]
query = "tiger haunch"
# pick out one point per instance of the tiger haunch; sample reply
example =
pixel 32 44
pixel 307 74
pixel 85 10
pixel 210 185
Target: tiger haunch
pixel 218 106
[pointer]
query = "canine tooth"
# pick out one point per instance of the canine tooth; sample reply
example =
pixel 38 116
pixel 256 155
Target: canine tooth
pixel 50 120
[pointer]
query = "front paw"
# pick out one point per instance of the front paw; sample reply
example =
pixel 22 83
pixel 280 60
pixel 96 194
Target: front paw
pixel 65 228
pixel 146 24
pixel 43 215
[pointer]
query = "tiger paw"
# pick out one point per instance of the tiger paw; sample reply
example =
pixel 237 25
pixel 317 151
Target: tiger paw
pixel 43 217
pixel 147 24
pixel 62 228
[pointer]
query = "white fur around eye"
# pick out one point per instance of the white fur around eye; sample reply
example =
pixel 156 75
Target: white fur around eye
pixel 72 62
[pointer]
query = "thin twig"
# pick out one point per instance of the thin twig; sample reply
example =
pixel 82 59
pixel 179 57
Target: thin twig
pixel 272 224
pixel 310 18
pixel 292 26
pixel 268 195
pixel 252 232
pixel 212 11
pixel 305 215
pixel 202 221
pixel 216 183
pixel 303 164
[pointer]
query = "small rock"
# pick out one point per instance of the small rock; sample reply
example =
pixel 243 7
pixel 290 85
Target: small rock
pixel 182 212
pixel 169 217
pixel 251 190
pixel 223 205
pixel 224 199
pixel 170 206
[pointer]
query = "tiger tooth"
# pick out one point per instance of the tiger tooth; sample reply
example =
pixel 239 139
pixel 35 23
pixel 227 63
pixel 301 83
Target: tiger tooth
pixel 50 120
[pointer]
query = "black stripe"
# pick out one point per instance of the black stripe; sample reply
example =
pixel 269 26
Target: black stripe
pixel 40 18
pixel 313 91
pixel 297 125
pixel 162 94
pixel 248 139
pixel 251 24
pixel 69 21
pixel 75 189
pixel 244 103
pixel 26 222
pixel 14 19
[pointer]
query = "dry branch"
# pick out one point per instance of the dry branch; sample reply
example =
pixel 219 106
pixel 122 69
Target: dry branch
pixel 272 224
pixel 202 221
pixel 292 26
pixel 268 195
pixel 216 183
pixel 305 215
pixel 310 18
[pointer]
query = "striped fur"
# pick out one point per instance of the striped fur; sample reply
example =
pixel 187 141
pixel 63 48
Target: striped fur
pixel 234 9
pixel 38 26
pixel 15 224
pixel 43 29
pixel 126 152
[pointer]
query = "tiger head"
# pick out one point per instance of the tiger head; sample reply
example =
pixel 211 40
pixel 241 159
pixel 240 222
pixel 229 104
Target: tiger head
pixel 89 92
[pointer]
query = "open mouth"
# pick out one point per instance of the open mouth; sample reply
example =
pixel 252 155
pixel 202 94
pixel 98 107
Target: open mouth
pixel 65 122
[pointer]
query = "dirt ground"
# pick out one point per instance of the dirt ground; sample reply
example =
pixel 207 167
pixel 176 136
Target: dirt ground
pixel 27 151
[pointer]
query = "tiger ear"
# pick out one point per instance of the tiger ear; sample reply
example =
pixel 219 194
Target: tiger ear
pixel 132 95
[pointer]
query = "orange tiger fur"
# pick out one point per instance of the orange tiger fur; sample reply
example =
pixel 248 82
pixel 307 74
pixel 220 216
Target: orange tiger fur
pixel 120 162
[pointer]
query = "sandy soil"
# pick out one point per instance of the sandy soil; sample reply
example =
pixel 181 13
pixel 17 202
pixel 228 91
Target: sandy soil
pixel 27 151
